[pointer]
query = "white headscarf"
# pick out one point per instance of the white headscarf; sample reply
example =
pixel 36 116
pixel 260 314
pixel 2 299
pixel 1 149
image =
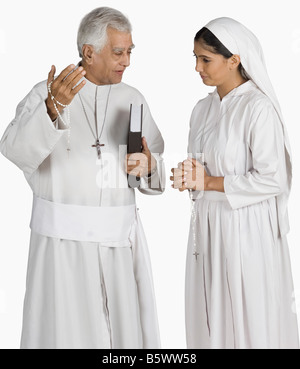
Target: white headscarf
pixel 239 40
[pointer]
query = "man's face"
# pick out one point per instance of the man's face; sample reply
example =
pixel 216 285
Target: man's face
pixel 109 65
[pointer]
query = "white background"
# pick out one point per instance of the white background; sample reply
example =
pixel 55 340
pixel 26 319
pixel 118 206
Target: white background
pixel 36 34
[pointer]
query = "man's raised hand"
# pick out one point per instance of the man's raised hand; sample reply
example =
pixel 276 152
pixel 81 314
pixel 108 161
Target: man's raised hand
pixel 63 88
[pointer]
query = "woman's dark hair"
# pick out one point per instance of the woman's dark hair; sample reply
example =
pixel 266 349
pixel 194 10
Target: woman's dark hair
pixel 212 41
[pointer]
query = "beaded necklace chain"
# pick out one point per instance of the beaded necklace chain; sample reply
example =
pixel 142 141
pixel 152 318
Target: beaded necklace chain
pixel 66 123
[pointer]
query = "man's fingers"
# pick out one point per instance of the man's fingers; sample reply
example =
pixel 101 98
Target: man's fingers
pixel 135 172
pixel 65 72
pixel 133 161
pixel 78 88
pixel 145 145
pixel 51 74
pixel 76 80
pixel 136 156
pixel 73 78
pixel 133 164
pixel 63 87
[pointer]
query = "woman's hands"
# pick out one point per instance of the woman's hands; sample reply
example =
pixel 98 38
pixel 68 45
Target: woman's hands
pixel 189 174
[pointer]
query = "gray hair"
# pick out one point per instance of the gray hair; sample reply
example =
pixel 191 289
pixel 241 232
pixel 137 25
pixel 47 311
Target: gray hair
pixel 93 27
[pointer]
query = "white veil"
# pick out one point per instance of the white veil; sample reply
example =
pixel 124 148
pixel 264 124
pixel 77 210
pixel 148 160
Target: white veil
pixel 241 41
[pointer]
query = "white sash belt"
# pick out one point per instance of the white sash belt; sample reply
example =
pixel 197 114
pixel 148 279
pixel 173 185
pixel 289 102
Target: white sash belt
pixel 109 226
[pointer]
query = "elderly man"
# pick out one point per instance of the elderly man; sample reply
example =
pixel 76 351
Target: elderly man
pixel 89 281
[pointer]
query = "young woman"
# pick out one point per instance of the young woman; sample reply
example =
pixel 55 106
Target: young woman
pixel 239 288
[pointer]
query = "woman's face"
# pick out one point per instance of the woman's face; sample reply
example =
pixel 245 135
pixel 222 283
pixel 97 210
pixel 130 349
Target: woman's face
pixel 214 69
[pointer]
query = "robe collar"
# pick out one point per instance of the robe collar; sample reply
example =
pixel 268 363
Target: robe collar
pixel 243 89
pixel 90 88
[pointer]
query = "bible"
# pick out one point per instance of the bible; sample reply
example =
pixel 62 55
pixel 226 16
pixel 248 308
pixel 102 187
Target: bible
pixel 135 138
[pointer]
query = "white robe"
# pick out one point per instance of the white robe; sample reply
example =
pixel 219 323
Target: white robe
pixel 83 294
pixel 239 293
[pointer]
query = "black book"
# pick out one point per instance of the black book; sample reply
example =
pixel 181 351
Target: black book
pixel 135 138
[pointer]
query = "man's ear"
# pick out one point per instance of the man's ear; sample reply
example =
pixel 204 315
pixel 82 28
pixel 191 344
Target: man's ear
pixel 87 54
pixel 235 61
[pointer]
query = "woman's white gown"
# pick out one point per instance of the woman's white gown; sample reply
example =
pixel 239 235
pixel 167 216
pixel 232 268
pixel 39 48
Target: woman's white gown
pixel 239 291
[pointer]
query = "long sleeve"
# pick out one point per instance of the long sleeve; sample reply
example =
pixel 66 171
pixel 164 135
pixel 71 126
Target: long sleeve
pixel 155 184
pixel 31 136
pixel 267 178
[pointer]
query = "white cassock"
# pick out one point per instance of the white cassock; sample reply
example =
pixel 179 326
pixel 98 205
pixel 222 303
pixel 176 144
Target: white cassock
pixel 89 282
pixel 239 292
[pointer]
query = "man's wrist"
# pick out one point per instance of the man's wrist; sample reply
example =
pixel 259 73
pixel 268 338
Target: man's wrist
pixel 52 114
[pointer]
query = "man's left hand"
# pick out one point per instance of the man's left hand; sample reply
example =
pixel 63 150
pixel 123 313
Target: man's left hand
pixel 142 163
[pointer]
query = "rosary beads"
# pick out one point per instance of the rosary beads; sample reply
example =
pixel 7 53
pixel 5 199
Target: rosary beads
pixel 193 220
pixel 67 123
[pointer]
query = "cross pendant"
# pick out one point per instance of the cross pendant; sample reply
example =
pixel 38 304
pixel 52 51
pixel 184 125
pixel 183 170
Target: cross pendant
pixel 98 147
pixel 196 254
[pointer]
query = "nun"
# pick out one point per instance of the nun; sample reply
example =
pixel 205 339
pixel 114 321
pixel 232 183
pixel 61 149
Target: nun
pixel 239 287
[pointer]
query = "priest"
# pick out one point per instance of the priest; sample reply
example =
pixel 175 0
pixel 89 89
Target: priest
pixel 89 282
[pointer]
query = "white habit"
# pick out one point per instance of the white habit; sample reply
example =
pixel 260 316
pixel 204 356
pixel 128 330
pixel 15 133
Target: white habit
pixel 89 282
pixel 239 293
